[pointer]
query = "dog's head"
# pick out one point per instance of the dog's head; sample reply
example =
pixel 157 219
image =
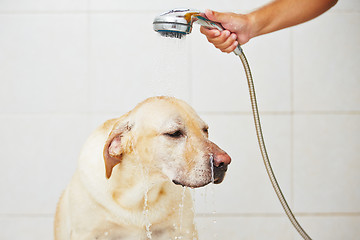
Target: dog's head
pixel 169 137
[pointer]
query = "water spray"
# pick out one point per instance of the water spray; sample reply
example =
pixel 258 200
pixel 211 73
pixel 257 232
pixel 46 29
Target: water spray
pixel 177 23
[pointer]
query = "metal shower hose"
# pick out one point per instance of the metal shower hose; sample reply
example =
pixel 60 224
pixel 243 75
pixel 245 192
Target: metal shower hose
pixel 263 149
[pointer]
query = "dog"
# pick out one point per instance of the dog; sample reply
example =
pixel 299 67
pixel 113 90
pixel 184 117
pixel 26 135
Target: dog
pixel 132 175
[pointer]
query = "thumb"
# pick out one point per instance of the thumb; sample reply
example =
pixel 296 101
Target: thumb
pixel 215 16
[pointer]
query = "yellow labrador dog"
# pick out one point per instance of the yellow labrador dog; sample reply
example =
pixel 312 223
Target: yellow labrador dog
pixel 129 184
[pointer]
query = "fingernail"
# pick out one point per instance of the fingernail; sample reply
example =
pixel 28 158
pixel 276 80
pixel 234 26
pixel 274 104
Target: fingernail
pixel 227 33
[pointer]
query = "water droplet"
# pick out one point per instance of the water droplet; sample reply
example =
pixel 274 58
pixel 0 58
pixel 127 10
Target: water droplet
pixel 145 174
pixel 181 212
pixel 212 167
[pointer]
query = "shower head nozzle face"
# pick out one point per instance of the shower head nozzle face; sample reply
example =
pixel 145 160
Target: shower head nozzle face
pixel 175 23
pixel 172 34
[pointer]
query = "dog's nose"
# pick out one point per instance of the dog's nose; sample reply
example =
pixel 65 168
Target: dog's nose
pixel 221 159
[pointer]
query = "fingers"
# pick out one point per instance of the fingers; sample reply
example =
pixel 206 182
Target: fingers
pixel 210 33
pixel 238 30
pixel 230 48
pixel 225 41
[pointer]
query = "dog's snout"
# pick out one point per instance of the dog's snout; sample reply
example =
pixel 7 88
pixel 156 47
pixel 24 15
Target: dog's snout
pixel 220 161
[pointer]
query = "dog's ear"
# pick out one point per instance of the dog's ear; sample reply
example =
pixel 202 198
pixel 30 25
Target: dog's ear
pixel 113 150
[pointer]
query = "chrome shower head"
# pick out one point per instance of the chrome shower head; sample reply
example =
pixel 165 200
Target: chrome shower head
pixel 175 23
pixel 178 22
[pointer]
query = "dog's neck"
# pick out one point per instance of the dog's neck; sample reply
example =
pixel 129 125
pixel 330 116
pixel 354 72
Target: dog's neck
pixel 138 195
pixel 141 191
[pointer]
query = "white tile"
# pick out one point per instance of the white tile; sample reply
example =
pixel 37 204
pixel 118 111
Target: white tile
pixel 247 188
pixel 219 79
pixel 136 5
pixel 269 57
pixel 326 63
pixel 43 65
pixel 26 227
pixel 97 119
pixel 42 5
pixel 131 62
pixel 38 157
pixel 347 5
pixel 331 227
pixel 326 163
pixel 162 6
pixel 251 227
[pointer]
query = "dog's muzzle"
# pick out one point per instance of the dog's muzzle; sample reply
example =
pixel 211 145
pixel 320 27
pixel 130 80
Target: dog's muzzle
pixel 218 161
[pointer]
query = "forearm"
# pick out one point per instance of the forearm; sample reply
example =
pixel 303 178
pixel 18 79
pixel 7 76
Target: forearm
pixel 281 14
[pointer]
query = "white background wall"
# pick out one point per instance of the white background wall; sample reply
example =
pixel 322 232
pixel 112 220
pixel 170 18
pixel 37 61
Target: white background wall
pixel 66 66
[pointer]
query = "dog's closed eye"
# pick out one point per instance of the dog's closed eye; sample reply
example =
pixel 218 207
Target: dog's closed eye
pixel 175 134
pixel 206 130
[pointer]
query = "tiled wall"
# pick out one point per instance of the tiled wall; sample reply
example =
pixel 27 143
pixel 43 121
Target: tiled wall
pixel 66 66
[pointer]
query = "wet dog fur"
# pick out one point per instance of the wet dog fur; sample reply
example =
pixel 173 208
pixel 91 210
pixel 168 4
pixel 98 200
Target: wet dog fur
pixel 131 172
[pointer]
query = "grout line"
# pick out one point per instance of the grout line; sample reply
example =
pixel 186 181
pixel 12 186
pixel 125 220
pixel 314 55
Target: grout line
pixel 347 11
pixel 300 214
pixel 15 215
pixel 190 76
pixel 230 113
pixel 155 10
pixel 290 113
pixel 44 114
pixel 87 11
pixel 292 137
pixel 211 215
pixel 34 12
pixel 334 214
pixel 240 113
pixel 326 112
pixel 90 101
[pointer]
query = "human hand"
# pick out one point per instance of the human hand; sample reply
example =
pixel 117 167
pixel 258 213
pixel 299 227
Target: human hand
pixel 237 30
